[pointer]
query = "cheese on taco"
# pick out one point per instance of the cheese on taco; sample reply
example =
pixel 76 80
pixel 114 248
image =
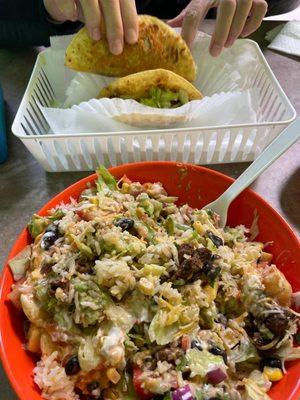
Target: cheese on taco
pixel 155 88
pixel 158 46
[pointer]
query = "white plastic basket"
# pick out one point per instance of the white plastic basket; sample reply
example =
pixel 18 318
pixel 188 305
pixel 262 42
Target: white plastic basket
pixel 203 145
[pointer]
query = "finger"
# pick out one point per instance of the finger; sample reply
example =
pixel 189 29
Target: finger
pixel 92 17
pixel 194 15
pixel 240 17
pixel 177 21
pixel 130 21
pixel 225 15
pixel 257 13
pixel 80 15
pixel 114 26
pixel 61 10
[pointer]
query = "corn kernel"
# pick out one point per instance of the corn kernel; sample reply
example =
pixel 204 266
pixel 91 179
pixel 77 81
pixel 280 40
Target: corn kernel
pixel 266 257
pixel 273 374
pixel 140 212
pixel 94 200
pixel 211 292
pixel 35 274
pixel 34 335
pixel 199 228
pixel 113 375
pixel 125 187
pixel 111 394
pixel 47 345
pixel 146 287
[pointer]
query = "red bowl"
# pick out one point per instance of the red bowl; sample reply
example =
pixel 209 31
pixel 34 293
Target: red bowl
pixel 196 186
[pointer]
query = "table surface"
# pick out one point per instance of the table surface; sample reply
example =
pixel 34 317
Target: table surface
pixel 25 186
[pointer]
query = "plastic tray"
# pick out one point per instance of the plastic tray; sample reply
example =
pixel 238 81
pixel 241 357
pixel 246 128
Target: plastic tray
pixel 202 145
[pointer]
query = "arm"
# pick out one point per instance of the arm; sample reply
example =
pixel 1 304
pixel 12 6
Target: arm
pixel 26 23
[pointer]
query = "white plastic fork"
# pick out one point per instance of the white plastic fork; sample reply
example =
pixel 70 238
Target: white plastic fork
pixel 278 146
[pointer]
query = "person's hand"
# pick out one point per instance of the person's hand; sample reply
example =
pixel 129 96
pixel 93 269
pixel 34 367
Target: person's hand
pixel 234 18
pixel 120 18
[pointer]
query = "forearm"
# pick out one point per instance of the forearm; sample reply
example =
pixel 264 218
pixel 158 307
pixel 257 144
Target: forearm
pixel 26 23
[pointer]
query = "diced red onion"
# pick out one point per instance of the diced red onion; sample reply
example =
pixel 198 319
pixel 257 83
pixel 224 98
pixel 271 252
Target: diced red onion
pixel 183 393
pixel 216 376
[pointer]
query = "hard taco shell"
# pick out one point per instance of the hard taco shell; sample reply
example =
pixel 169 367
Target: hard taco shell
pixel 158 46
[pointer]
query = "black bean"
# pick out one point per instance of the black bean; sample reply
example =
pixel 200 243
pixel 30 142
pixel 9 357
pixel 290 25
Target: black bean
pixel 52 228
pixel 217 241
pixel 92 386
pixel 277 323
pixel 50 236
pixel 72 366
pixel 125 224
pixel 195 344
pixel 219 352
pixel 270 362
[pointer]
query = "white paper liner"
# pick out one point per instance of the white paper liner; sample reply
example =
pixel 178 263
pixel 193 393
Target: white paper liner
pixel 113 115
pixel 221 80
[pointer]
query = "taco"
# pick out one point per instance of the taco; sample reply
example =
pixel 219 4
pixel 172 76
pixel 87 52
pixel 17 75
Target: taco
pixel 157 88
pixel 158 46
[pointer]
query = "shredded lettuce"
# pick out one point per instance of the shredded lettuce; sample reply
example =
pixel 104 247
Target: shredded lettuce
pixel 162 334
pixel 120 317
pixel 62 316
pixel 105 180
pixel 254 391
pixel 160 98
pixel 170 225
pixel 20 263
pixel 83 248
pixel 288 352
pixel 139 307
pixel 245 351
pixel 88 355
pixel 201 362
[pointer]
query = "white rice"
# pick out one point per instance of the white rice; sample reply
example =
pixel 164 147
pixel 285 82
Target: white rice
pixel 52 379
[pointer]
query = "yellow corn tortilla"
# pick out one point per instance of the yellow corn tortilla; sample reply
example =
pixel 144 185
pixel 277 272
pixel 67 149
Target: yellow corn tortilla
pixel 158 46
pixel 137 86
